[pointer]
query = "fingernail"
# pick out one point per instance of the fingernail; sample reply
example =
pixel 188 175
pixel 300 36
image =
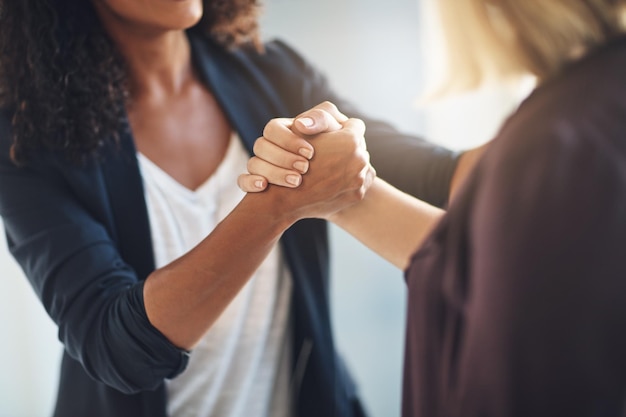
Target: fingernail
pixel 301 166
pixel 306 121
pixel 258 184
pixel 293 179
pixel 306 152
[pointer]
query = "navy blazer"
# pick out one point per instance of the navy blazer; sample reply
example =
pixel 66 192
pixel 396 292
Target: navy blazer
pixel 81 235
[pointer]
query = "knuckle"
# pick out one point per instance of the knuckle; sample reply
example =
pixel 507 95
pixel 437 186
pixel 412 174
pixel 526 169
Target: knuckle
pixel 328 106
pixel 359 123
pixel 371 171
pixel 363 165
pixel 357 126
pixel 273 126
pixel 360 193
pixel 317 114
pixel 258 145
pixel 267 130
pixel 251 164
pixel 357 182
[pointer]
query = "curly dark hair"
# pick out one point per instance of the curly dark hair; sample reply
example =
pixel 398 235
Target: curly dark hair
pixel 63 79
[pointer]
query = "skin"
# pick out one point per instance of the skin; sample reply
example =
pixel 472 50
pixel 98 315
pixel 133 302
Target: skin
pixel 388 221
pixel 165 90
pixel 169 108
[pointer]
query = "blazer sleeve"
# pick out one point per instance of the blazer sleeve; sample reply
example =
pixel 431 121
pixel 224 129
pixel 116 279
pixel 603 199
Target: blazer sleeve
pixel 410 163
pixel 94 297
pixel 545 318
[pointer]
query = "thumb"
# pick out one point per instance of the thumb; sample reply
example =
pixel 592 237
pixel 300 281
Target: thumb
pixel 324 117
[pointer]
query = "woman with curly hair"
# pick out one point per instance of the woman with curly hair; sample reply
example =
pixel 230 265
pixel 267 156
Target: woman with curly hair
pixel 123 128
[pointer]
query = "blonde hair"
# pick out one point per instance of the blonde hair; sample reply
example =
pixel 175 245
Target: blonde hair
pixel 504 38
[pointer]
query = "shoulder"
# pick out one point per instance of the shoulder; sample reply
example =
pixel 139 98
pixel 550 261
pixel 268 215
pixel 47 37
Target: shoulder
pixel 558 162
pixel 278 71
pixel 277 53
pixel 278 64
pixel 276 58
pixel 579 115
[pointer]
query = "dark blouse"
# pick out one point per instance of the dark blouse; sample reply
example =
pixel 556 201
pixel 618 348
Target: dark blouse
pixel 517 301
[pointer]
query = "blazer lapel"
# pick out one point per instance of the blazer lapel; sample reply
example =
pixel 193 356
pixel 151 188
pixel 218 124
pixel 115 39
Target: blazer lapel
pixel 243 93
pixel 124 185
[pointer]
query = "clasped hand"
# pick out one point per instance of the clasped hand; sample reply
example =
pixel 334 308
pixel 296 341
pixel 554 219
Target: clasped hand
pixel 321 154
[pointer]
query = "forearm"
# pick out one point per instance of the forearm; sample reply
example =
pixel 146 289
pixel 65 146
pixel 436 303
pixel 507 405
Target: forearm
pixel 184 298
pixel 414 166
pixel 390 222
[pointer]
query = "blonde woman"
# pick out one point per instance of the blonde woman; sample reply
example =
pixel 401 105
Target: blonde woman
pixel 516 296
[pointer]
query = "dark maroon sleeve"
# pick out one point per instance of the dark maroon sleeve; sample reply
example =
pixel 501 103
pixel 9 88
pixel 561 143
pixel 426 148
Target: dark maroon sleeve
pixel 546 314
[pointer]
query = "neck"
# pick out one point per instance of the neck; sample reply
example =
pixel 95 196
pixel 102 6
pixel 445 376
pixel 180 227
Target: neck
pixel 158 67
pixel 158 61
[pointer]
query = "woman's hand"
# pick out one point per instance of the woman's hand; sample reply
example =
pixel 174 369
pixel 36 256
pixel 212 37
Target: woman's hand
pixel 339 174
pixel 282 155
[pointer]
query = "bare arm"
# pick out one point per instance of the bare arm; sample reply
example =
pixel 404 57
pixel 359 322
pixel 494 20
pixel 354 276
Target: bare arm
pixel 184 298
pixel 388 221
pixel 391 223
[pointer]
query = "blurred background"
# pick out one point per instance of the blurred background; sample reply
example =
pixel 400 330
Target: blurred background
pixel 381 56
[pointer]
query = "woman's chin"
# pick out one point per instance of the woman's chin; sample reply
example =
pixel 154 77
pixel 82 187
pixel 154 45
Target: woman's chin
pixel 184 17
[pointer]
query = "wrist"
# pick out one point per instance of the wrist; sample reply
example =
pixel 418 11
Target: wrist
pixel 339 217
pixel 271 208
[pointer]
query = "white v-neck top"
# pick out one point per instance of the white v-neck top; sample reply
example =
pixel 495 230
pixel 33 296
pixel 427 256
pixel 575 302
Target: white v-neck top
pixel 242 365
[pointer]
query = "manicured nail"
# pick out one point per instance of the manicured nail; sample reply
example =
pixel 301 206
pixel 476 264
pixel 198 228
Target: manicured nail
pixel 293 179
pixel 306 122
pixel 306 152
pixel 301 166
pixel 259 184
